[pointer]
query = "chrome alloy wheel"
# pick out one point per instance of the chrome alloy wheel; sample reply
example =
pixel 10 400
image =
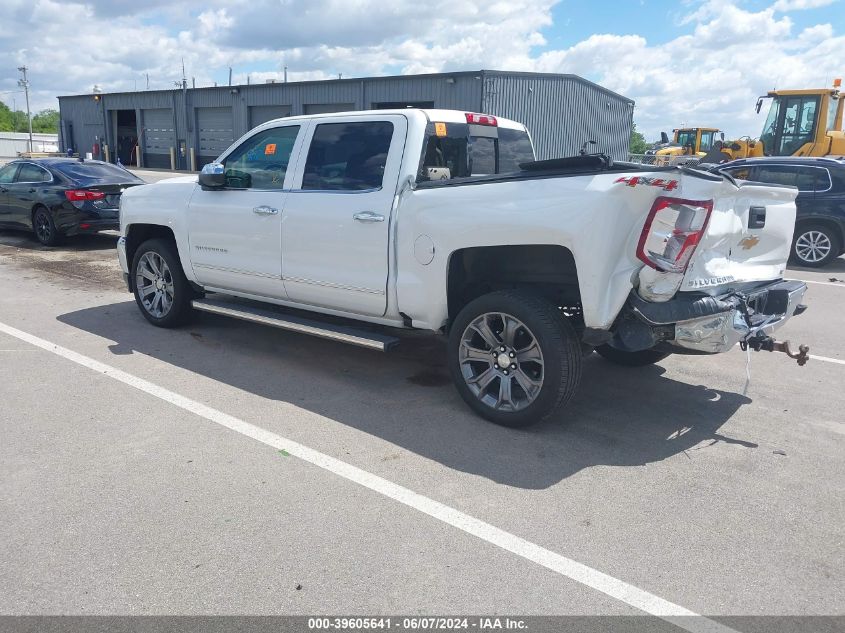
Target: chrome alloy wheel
pixel 813 246
pixel 501 361
pixel 155 284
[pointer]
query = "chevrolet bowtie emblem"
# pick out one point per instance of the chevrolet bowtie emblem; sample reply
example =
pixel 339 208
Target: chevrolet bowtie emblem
pixel 749 242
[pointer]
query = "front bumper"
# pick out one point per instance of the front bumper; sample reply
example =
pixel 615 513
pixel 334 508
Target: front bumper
pixel 124 265
pixel 712 325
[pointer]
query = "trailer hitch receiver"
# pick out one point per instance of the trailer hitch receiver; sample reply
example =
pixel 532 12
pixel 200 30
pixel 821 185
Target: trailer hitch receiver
pixel 763 342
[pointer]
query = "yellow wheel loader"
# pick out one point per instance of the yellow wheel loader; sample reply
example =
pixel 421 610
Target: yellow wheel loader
pixel 692 142
pixel 799 123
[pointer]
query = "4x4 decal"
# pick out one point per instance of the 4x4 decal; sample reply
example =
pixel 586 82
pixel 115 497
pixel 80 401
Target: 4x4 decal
pixel 633 181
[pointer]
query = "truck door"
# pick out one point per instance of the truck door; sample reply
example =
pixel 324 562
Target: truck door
pixel 336 224
pixel 236 233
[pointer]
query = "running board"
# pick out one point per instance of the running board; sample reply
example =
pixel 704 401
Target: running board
pixel 240 310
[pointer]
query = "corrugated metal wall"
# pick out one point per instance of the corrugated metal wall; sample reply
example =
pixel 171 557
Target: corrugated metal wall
pixel 562 111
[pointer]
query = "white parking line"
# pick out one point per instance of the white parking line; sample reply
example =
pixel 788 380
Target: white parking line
pixel 613 587
pixel 820 283
pixel 828 360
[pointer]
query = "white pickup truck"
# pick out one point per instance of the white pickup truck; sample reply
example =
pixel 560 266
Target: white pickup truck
pixel 442 220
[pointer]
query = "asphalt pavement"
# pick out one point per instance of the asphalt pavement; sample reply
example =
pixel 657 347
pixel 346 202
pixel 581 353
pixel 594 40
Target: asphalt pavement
pixel 145 488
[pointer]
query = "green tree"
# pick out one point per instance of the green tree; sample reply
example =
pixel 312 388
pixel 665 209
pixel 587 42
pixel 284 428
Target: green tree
pixel 15 121
pixel 46 121
pixel 638 144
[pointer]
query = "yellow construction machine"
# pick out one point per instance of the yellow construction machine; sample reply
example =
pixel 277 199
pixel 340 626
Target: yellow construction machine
pixel 693 142
pixel 799 123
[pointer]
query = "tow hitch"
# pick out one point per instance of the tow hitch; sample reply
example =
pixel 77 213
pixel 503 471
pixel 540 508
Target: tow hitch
pixel 763 342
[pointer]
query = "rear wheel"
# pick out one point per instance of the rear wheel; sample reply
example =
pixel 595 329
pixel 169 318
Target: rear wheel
pixel 162 291
pixel 44 228
pixel 640 358
pixel 815 245
pixel 514 357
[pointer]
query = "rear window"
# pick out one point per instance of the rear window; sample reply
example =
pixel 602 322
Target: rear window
pixel 94 171
pixel 462 150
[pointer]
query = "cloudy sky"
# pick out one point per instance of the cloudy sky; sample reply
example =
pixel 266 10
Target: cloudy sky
pixel 689 62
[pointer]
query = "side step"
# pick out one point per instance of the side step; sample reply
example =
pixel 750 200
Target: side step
pixel 250 311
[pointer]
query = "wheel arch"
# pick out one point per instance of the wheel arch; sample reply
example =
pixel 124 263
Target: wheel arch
pixel 137 234
pixel 832 223
pixel 548 270
pixel 34 210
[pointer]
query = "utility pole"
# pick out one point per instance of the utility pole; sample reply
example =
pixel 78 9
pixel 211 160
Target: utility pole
pixel 24 83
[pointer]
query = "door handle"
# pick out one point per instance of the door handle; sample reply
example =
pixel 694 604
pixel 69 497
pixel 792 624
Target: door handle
pixel 368 216
pixel 265 210
pixel 756 217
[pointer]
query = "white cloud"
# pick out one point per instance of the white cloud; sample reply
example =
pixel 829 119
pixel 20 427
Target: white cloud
pixel 800 5
pixel 711 76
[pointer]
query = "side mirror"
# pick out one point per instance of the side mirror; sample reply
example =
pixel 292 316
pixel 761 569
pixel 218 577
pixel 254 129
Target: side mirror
pixel 722 135
pixel 759 104
pixel 212 176
pixel 664 138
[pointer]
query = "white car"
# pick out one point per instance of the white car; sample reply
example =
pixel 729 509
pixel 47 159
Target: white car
pixel 442 220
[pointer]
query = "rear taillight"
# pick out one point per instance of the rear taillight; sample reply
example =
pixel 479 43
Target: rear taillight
pixel 79 195
pixel 481 119
pixel 672 231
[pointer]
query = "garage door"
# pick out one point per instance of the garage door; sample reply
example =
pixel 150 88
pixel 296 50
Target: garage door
pixel 324 108
pixel 216 133
pixel 262 114
pixel 158 137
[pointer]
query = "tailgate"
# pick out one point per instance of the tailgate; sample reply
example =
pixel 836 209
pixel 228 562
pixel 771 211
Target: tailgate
pixel 748 238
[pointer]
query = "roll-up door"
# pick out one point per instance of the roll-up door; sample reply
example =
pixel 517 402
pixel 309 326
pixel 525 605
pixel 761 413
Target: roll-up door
pixel 158 137
pixel 326 108
pixel 262 114
pixel 216 133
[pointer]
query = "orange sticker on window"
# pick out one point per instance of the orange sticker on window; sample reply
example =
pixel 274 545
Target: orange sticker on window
pixel 440 129
pixel 270 149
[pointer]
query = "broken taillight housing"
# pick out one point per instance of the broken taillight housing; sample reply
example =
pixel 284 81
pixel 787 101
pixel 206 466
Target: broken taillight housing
pixel 672 231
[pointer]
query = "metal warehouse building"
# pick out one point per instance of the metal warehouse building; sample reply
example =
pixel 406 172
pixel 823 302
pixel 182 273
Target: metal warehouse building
pixel 188 127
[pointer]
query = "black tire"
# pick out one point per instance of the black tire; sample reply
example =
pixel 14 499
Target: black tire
pixel 631 359
pixel 552 381
pixel 821 235
pixel 172 279
pixel 44 227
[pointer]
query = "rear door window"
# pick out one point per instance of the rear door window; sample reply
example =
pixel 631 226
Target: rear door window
pixel 32 173
pixel 347 156
pixel 804 178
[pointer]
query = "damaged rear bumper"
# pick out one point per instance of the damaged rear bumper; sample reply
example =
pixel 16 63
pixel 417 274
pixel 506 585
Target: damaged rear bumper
pixel 711 325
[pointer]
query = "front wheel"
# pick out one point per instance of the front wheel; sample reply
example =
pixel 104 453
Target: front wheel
pixel 640 358
pixel 815 245
pixel 162 291
pixel 514 357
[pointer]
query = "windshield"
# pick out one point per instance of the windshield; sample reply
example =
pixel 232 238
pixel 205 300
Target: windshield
pixel 94 172
pixel 458 150
pixel 686 137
